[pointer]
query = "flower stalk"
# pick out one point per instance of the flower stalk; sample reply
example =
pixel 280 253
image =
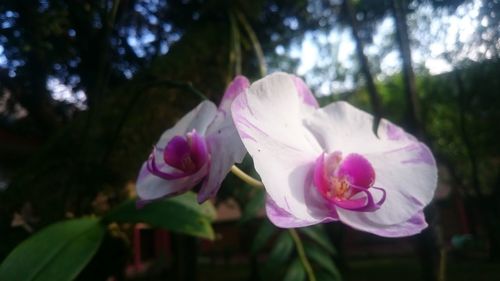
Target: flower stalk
pixel 295 236
pixel 302 254
pixel 245 177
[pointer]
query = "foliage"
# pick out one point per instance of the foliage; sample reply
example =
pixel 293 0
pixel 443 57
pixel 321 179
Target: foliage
pixel 61 250
pixel 180 214
pixel 58 252
pixel 282 261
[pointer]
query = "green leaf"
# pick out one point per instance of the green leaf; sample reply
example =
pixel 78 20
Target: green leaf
pixel 318 235
pixel 254 205
pixel 58 252
pixel 180 214
pixel 295 271
pixel 282 250
pixel 322 258
pixel 263 235
pixel 189 200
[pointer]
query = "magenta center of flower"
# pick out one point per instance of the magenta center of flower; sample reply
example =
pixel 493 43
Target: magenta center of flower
pixel 182 156
pixel 347 181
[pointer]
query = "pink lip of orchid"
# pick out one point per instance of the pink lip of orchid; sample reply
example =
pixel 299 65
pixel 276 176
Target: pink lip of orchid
pixel 325 164
pixel 202 146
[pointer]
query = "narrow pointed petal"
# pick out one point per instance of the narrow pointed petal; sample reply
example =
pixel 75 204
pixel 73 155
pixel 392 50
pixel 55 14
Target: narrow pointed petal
pixel 305 94
pixel 223 141
pixel 226 146
pixel 389 131
pixel 239 85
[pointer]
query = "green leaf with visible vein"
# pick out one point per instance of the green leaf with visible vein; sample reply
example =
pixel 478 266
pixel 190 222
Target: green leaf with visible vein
pixel 180 214
pixel 57 252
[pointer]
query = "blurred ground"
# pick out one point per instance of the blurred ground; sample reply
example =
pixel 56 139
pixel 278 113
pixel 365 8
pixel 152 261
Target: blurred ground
pixel 382 269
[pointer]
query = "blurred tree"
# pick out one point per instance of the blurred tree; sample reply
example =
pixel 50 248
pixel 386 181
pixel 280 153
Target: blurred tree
pixel 108 49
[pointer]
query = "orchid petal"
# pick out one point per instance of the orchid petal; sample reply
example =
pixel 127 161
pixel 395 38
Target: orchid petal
pixel 223 141
pixel 342 127
pixel 282 218
pixel 305 94
pixel 389 131
pixel 226 147
pixel 357 169
pixel 177 149
pixel 237 86
pixel 409 177
pixel 404 168
pixel 199 150
pixel 164 170
pixel 268 119
pixel 198 119
pixel 363 201
pixel 150 186
pixel 170 179
pixel 412 226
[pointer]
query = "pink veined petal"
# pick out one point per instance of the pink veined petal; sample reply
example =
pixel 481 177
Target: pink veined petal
pixel 404 168
pixel 304 93
pixel 223 141
pixel 239 85
pixel 269 121
pixel 226 149
pixel 150 187
pixel 412 226
pixel 409 178
pixel 282 218
pixel 409 182
pixel 342 127
pixel 273 107
pixel 389 131
pixel 198 119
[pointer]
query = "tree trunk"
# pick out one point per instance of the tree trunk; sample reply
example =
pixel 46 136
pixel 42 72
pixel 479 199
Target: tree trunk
pixel 414 123
pixel 429 242
pixel 66 176
pixel 365 68
pixel 482 202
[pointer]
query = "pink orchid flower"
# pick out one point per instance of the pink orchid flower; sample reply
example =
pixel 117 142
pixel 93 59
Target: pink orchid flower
pixel 202 146
pixel 326 164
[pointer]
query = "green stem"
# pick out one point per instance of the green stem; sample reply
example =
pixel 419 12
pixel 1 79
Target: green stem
pixel 245 177
pixel 186 86
pixel 255 43
pixel 235 47
pixel 295 236
pixel 442 265
pixel 302 254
